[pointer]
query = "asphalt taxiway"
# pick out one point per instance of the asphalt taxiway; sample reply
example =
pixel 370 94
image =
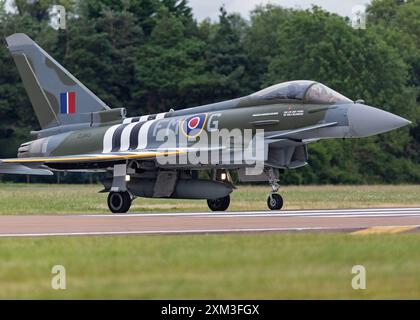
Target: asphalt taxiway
pixel 363 221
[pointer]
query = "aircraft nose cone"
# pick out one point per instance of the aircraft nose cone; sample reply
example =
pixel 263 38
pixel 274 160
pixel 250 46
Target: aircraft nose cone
pixel 367 121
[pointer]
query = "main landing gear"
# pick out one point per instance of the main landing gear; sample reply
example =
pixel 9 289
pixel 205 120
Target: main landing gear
pixel 220 204
pixel 119 199
pixel 274 200
pixel 119 202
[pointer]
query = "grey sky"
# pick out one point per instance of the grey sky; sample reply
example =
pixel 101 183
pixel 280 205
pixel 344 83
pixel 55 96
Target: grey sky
pixel 210 8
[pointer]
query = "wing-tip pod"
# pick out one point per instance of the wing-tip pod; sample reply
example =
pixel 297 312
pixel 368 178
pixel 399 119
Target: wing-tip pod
pixel 15 168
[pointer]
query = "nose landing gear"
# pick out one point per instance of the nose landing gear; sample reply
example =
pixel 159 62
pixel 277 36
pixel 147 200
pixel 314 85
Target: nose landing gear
pixel 274 200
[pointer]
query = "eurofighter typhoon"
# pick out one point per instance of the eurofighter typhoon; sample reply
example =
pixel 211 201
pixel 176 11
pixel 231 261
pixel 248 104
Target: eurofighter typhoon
pixel 161 155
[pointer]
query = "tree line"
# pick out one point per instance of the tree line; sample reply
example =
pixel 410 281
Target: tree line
pixel 152 55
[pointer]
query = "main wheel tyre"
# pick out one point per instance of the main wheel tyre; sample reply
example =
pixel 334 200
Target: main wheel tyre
pixel 220 204
pixel 119 202
pixel 275 201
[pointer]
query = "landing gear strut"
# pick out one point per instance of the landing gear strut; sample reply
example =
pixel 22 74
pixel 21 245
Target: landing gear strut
pixel 119 202
pixel 119 199
pixel 220 204
pixel 274 200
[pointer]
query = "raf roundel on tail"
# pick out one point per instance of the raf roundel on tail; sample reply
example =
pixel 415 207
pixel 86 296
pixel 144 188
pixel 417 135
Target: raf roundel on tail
pixel 68 102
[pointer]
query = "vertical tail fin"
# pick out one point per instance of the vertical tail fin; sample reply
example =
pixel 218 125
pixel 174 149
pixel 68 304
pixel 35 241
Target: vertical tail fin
pixel 57 97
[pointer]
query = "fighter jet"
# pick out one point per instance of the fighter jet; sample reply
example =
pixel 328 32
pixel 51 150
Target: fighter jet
pixel 182 154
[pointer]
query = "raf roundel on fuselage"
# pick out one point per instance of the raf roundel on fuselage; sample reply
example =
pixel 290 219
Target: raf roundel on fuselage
pixel 302 91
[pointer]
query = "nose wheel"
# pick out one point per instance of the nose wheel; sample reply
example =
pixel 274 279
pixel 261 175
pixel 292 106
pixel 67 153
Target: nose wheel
pixel 275 201
pixel 119 202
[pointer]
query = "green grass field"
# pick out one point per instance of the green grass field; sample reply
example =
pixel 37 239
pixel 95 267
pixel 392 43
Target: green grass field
pixel 263 266
pixel 64 199
pixel 239 266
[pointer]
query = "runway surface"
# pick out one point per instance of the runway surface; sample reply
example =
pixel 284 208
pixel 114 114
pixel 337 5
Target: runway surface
pixel 359 221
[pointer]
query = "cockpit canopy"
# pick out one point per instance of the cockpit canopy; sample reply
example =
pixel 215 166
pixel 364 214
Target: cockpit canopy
pixel 304 91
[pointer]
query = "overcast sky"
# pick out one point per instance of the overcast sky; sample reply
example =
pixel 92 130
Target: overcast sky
pixel 210 8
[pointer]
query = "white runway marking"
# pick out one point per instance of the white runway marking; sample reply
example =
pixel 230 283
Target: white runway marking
pixel 207 222
pixel 386 212
pixel 157 232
